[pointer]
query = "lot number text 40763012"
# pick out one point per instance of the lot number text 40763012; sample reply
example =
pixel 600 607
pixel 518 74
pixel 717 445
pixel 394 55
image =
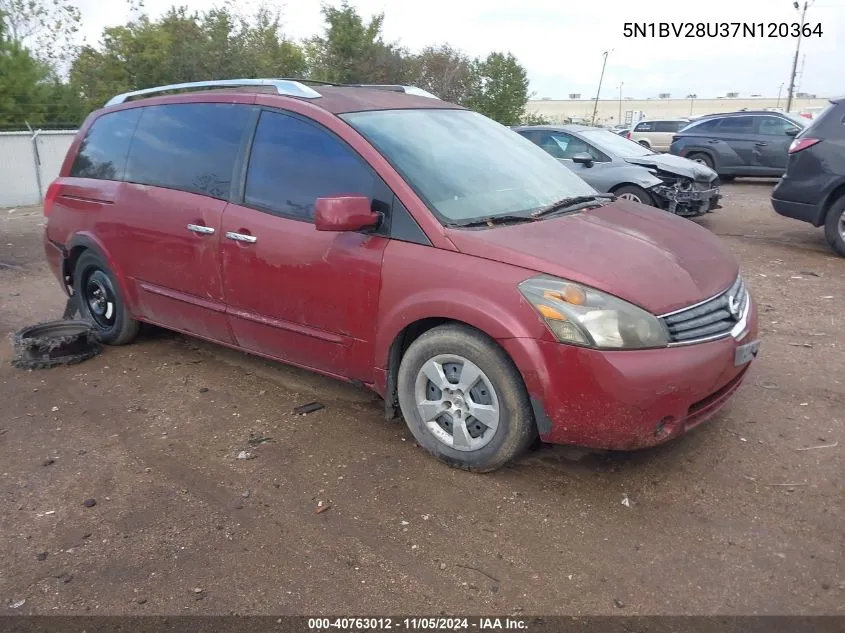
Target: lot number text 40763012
pixel 721 29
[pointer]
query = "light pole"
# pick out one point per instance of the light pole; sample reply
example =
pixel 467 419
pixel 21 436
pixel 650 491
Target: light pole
pixel 619 121
pixel 692 97
pixel 777 105
pixel 598 92
pixel 797 49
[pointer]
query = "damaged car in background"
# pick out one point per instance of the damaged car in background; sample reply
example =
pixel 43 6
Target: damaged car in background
pixel 613 164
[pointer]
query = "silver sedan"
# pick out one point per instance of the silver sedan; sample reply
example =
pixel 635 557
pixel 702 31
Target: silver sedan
pixel 613 164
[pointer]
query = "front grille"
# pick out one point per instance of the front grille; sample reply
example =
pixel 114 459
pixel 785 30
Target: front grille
pixel 711 319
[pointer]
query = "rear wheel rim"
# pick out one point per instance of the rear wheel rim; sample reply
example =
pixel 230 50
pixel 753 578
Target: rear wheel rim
pixel 700 161
pixel 100 299
pixel 457 402
pixel 630 196
pixel 842 226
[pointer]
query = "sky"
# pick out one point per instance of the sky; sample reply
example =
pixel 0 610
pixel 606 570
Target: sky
pixel 560 42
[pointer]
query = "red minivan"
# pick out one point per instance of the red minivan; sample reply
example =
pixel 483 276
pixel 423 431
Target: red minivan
pixel 390 239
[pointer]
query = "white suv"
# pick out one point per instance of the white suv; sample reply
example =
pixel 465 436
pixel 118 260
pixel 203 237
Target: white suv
pixel 657 134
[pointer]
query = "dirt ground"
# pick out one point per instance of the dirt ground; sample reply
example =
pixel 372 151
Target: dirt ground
pixel 742 516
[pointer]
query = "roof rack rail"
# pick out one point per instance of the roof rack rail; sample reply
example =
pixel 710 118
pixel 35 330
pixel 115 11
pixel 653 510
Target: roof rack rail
pixel 287 87
pixel 411 90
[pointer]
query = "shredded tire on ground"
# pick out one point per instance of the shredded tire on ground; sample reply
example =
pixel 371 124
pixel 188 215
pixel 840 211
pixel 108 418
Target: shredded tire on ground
pixel 55 343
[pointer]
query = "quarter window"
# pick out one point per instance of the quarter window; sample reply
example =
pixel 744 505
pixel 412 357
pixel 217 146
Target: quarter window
pixel 294 162
pixel 188 146
pixel 102 153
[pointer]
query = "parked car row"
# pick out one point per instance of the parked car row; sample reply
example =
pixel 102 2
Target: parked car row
pixel 740 143
pixel 412 246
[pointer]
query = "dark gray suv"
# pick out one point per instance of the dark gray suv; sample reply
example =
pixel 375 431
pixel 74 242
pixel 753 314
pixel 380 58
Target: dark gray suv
pixel 750 143
pixel 813 187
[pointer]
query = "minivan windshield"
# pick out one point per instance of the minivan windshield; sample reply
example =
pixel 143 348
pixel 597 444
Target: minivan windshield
pixel 615 145
pixel 466 166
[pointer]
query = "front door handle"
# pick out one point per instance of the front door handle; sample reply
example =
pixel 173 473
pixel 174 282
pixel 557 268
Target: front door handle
pixel 200 229
pixel 761 144
pixel 241 237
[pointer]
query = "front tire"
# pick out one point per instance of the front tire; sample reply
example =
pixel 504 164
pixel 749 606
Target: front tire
pixel 634 194
pixel 464 400
pixel 702 158
pixel 99 300
pixel 834 226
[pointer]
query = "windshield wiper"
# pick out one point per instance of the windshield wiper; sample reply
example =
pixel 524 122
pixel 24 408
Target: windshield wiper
pixel 571 204
pixel 493 219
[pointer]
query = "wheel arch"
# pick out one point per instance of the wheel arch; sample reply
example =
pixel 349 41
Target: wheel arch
pixel 403 339
pixel 831 199
pixel 82 242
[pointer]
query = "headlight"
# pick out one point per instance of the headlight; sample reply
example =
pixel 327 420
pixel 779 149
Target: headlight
pixel 585 316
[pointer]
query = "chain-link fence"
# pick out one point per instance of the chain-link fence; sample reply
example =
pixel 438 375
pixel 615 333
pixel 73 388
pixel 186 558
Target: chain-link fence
pixel 29 162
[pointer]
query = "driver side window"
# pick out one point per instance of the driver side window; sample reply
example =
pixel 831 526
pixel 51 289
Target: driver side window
pixel 563 145
pixel 775 126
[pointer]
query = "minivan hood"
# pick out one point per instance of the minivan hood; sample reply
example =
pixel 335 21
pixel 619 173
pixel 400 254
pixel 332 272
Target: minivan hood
pixel 656 260
pixel 676 165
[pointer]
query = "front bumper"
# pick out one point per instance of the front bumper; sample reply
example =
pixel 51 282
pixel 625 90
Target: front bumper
pixel 626 400
pixel 690 202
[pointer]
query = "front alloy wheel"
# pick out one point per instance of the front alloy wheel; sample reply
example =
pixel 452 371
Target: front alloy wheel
pixel 457 402
pixel 463 398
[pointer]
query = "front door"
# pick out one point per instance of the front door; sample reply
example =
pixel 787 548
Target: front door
pixel 178 178
pixel 294 293
pixel 772 144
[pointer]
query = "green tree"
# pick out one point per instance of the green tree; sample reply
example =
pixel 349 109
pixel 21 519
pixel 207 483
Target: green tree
pixel 181 47
pixel 444 71
pixel 500 88
pixel 46 27
pixel 353 51
pixel 529 117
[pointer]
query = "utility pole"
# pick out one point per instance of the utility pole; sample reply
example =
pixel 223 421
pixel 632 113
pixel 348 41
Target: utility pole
pixel 598 92
pixel 777 105
pixel 797 50
pixel 619 121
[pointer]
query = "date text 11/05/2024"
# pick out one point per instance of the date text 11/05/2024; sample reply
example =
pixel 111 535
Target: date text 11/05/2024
pixel 417 624
pixel 721 29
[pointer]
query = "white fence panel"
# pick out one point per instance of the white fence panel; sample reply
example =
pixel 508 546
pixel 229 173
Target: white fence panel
pixel 23 180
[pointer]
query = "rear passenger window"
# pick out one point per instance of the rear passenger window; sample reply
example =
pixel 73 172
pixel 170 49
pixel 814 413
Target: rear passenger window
pixel 737 125
pixel 704 126
pixel 669 126
pixel 188 146
pixel 102 153
pixel 294 162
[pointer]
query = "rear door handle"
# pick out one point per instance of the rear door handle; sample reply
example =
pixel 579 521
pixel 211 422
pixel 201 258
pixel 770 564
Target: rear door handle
pixel 761 144
pixel 200 229
pixel 240 237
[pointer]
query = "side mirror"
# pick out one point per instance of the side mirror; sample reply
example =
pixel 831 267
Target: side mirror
pixel 792 132
pixel 583 158
pixel 344 213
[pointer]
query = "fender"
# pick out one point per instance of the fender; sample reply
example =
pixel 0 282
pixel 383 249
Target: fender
pixel 127 291
pixel 494 318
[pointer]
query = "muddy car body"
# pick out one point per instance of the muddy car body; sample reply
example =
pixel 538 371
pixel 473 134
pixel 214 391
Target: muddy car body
pixel 408 245
pixel 613 164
